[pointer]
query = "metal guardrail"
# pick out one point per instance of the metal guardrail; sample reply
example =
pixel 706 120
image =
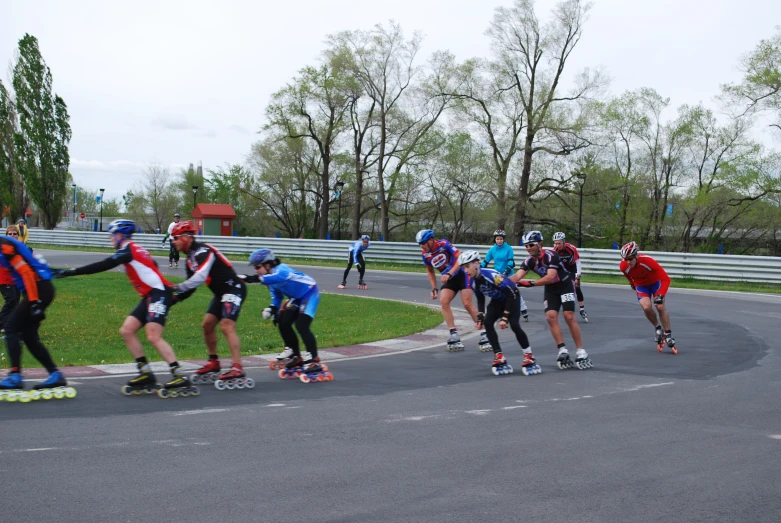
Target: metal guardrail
pixel 600 261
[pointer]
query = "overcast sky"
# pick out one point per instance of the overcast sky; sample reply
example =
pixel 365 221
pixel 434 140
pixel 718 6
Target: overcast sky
pixel 181 82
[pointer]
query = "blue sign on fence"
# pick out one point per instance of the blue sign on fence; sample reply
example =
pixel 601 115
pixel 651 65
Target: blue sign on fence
pixel 669 209
pixel 721 249
pixel 615 246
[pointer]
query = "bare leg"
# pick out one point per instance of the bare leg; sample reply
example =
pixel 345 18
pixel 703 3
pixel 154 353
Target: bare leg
pixel 555 329
pixel 154 333
pixel 574 328
pixel 228 328
pixel 445 297
pixel 664 316
pixel 128 332
pixel 649 311
pixel 209 335
pixel 466 299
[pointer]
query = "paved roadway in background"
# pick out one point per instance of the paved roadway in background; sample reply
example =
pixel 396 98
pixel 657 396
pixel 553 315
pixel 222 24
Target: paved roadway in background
pixel 432 435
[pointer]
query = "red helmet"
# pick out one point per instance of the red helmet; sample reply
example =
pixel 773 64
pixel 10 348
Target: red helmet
pixel 629 250
pixel 183 228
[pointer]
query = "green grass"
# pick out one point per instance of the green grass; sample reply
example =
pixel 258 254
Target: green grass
pixel 686 283
pixel 82 325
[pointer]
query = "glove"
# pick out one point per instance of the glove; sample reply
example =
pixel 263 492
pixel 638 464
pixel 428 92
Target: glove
pixel 483 264
pixel 508 271
pixel 269 312
pixel 480 317
pixel 36 310
pixel 63 273
pixel 659 299
pixel 526 283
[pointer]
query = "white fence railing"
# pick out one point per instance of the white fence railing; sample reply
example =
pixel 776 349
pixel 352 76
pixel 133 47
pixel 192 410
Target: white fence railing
pixel 604 261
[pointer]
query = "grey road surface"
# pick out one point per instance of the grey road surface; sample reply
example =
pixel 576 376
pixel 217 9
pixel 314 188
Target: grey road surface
pixel 431 435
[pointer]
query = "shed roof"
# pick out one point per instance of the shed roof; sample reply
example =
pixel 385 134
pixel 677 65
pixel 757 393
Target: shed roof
pixel 213 210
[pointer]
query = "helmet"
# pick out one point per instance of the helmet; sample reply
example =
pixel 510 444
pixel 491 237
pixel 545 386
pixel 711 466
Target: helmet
pixel 177 215
pixel 629 250
pixel 365 238
pixel 424 236
pixel 468 256
pixel 532 237
pixel 558 236
pixel 125 227
pixel 21 220
pixel 185 227
pixel 499 232
pixel 261 256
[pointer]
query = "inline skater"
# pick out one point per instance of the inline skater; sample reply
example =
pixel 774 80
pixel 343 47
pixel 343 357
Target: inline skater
pixel 443 256
pixel 355 256
pixel 7 286
pixel 173 254
pixel 151 312
pixel 501 253
pixel 505 306
pixel 299 310
pixel 32 277
pixel 559 293
pixel 568 254
pixel 649 280
pixel 205 264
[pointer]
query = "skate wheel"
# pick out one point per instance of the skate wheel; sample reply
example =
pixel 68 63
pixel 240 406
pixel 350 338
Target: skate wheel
pixel 173 394
pixel 495 371
pixel 272 365
pixel 195 378
pixel 240 384
pixel 304 378
pixel 35 395
pixel 250 383
pixel 126 390
pixel 59 394
pixel 195 391
pixel 660 347
pixel 219 385
pixel 163 393
pixel 24 397
pixel 281 373
pixel 510 369
pixel 230 384
pixel 46 394
pixel 10 397
pixel 183 393
pixel 674 349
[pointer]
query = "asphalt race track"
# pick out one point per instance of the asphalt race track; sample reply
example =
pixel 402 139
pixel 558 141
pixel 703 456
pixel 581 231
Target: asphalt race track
pixel 431 435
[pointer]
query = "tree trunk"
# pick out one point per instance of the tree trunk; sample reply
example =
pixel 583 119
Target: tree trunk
pixel 355 227
pixel 519 223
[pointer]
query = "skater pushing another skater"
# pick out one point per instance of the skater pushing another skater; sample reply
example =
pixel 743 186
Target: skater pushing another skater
pixel 206 264
pixel 443 256
pixel 559 294
pixel 649 281
pixel 502 255
pixel 355 256
pixel 505 306
pixel 303 297
pixel 150 314
pixel 568 254
pixel 7 286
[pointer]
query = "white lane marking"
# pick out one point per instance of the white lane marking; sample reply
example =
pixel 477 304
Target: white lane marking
pixel 774 436
pixel 478 412
pixel 275 405
pixel 412 418
pixel 198 411
pixel 640 387
pixel 514 407
pixel 40 449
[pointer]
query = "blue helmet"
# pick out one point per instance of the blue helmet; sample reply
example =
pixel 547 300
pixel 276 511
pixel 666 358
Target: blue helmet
pixel 532 237
pixel 261 256
pixel 365 238
pixel 124 227
pixel 424 236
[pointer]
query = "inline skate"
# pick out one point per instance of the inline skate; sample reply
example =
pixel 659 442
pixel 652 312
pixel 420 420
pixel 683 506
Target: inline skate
pixel 234 379
pixel 670 341
pixel 179 386
pixel 500 366
pixel 281 360
pixel 12 389
pixel 582 360
pixel 529 367
pixel 484 345
pixel 454 342
pixel 292 369
pixel 342 285
pixel 209 373
pixel 313 371
pixel 584 315
pixel 563 361
pixel 362 285
pixel 55 386
pixel 144 383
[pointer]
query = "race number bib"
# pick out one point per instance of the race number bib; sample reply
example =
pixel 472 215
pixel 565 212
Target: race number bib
pixel 157 308
pixel 231 298
pixel 570 296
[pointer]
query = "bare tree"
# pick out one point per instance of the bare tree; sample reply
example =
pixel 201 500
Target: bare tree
pixel 153 200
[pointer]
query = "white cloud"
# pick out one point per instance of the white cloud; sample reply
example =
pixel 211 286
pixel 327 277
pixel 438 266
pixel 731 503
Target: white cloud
pixel 239 129
pixel 173 122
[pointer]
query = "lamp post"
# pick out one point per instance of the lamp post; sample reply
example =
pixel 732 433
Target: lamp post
pixel 195 191
pixel 101 208
pixel 582 182
pixel 73 216
pixel 338 188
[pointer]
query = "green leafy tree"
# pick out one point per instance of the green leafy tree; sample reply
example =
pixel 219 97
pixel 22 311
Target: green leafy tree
pixel 44 132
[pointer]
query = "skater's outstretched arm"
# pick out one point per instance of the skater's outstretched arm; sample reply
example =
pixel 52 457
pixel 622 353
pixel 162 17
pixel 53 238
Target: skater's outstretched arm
pixel 120 257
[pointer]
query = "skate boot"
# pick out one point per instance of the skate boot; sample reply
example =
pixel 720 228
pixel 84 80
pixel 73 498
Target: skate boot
pixel 500 366
pixel 563 360
pixel 209 373
pixel 525 314
pixel 293 369
pixel 484 345
pixel 342 285
pixel 281 360
pixel 176 265
pixel 314 371
pixel 170 265
pixel 582 360
pixel 144 383
pixel 584 315
pixel 454 342
pixel 234 379
pixel 54 386
pixel 670 341
pixel 658 337
pixel 12 388
pixel 529 366
pixel 362 285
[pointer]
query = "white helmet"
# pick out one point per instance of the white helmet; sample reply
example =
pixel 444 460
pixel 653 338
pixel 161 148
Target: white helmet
pixel 468 256
pixel 558 236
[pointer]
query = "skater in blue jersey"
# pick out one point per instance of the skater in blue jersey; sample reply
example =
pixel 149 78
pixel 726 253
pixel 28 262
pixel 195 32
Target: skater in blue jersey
pixel 298 310
pixel 501 253
pixel 355 256
pixel 505 306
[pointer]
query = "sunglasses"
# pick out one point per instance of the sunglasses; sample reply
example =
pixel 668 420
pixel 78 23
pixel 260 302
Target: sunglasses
pixel 12 234
pixel 529 245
